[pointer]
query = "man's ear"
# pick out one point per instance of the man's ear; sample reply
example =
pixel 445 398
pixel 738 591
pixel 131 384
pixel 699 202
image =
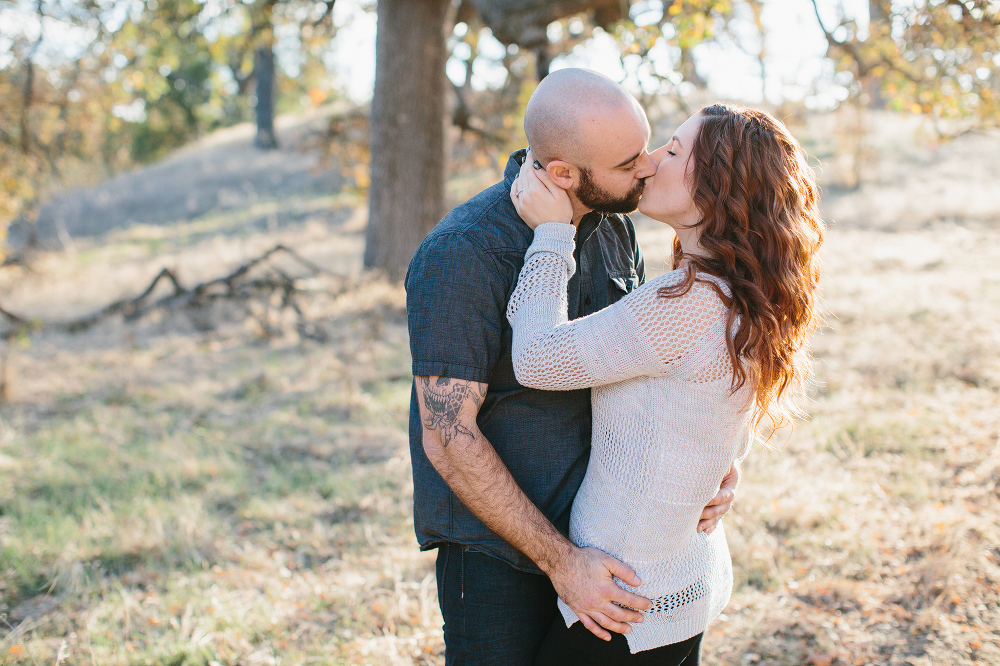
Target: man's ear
pixel 562 174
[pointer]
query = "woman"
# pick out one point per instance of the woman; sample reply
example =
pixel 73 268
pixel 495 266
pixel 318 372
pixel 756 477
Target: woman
pixel 684 369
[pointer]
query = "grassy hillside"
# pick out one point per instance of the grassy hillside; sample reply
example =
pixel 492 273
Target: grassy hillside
pixel 211 487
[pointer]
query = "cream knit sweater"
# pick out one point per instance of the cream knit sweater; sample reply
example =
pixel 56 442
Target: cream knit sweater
pixel 666 428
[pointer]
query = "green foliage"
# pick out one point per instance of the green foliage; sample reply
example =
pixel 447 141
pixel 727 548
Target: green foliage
pixel 491 120
pixel 56 125
pixel 169 72
pixel 937 58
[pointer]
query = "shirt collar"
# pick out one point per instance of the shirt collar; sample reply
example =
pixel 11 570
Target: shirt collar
pixel 514 165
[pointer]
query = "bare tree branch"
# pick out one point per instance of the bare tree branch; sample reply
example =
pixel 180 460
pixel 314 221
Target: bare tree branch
pixel 864 68
pixel 463 118
pixel 231 286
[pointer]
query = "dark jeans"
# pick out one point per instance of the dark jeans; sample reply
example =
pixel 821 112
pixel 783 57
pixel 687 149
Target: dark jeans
pixel 576 646
pixel 493 614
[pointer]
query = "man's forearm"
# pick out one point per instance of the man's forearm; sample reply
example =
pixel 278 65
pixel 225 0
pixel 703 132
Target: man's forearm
pixel 583 577
pixel 471 466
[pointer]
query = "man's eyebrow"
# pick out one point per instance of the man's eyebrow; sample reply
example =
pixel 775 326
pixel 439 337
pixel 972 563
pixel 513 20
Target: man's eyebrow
pixel 631 159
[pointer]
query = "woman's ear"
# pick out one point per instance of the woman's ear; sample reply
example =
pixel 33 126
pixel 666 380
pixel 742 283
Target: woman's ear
pixel 562 173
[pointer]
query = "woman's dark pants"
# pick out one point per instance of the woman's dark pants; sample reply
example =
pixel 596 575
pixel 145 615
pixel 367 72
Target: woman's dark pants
pixel 495 615
pixel 576 646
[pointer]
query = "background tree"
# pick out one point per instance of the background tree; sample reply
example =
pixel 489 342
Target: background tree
pixel 138 85
pixel 407 136
pixel 408 155
pixel 54 125
pixel 936 58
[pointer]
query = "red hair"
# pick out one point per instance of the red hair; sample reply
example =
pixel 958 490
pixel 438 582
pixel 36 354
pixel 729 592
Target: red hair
pixel 761 226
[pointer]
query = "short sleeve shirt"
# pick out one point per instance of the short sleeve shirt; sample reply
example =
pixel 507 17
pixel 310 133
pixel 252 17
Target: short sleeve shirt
pixel 457 288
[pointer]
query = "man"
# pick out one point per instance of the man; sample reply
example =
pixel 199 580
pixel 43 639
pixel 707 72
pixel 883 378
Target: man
pixel 496 465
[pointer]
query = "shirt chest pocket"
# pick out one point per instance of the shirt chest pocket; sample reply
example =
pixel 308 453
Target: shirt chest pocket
pixel 621 283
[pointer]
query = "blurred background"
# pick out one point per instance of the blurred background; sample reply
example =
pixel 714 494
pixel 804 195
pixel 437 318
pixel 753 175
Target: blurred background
pixel 207 208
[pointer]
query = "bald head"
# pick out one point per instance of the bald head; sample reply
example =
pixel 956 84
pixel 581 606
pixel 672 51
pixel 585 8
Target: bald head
pixel 570 111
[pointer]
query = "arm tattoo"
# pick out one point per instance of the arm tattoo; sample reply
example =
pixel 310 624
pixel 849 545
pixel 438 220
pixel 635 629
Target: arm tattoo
pixel 443 399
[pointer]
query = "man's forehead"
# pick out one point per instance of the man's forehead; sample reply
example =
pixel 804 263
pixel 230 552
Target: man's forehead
pixel 631 146
pixel 609 136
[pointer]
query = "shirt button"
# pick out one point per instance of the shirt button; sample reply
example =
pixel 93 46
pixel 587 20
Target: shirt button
pixel 587 300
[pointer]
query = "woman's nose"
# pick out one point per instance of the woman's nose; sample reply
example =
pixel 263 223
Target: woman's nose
pixel 647 166
pixel 657 155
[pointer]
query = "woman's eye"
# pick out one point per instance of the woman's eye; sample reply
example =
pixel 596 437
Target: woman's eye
pixel 672 153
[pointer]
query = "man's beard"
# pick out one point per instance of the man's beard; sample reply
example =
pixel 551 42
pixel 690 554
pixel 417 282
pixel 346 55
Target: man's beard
pixel 595 198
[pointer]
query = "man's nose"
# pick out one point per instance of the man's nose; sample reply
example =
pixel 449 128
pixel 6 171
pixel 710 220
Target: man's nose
pixel 647 167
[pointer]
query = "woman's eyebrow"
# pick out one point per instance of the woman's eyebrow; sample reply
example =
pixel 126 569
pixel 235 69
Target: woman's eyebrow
pixel 674 138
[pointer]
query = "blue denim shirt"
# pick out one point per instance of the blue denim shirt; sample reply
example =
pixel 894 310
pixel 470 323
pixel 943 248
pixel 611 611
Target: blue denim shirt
pixel 457 288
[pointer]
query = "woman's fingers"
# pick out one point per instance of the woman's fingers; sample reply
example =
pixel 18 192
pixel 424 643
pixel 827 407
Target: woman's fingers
pixel 540 200
pixel 708 525
pixel 516 192
pixel 543 177
pixel 533 176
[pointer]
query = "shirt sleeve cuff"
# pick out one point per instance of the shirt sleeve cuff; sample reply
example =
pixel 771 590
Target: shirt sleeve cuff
pixel 554 237
pixel 453 370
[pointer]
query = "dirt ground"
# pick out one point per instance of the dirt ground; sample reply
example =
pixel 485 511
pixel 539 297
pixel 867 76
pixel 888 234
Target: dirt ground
pixel 212 487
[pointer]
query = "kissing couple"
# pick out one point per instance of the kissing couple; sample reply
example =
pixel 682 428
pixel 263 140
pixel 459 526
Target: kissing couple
pixel 576 431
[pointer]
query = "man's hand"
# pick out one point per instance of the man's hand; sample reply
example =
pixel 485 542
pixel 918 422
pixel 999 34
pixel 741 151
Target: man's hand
pixel 722 501
pixel 583 579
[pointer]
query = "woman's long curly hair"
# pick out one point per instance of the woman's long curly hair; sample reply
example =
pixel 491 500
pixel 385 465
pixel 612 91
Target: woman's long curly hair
pixel 761 226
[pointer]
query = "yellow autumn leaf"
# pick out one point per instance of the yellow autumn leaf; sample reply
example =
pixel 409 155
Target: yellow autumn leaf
pixel 361 178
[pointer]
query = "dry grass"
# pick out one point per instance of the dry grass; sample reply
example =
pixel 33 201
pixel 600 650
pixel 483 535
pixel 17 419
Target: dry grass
pixel 196 492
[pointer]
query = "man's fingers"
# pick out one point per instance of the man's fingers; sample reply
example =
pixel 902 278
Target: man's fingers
pixel 620 614
pixel 593 627
pixel 609 624
pixel 622 571
pixel 630 600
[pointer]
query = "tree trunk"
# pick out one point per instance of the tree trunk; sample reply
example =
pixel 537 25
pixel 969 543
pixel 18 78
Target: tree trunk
pixel 264 107
pixel 543 60
pixel 879 27
pixel 29 84
pixel 689 70
pixel 406 198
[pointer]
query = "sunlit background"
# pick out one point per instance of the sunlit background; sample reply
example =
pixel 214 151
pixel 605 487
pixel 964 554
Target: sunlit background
pixel 204 384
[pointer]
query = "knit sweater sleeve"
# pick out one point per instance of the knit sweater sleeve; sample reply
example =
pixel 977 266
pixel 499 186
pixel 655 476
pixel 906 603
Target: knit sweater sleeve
pixel 641 335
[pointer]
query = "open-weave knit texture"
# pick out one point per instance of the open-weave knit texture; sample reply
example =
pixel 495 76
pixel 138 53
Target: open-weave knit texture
pixel 666 429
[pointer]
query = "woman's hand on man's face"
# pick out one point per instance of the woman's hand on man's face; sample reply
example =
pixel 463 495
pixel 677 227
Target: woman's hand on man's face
pixel 537 199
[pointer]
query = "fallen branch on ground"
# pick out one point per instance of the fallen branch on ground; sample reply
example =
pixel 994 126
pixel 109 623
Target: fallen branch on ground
pixel 237 286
